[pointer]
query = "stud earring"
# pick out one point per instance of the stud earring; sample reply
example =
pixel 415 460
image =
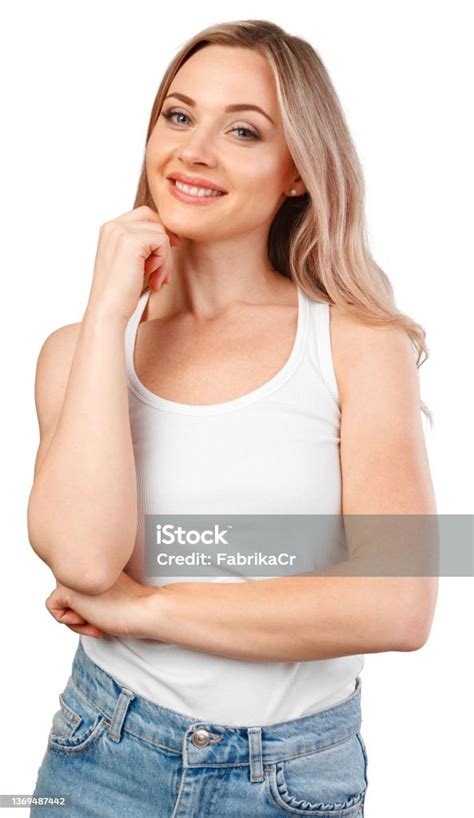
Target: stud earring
pixel 293 191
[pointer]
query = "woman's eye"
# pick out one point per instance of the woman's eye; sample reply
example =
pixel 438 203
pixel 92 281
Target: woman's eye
pixel 171 114
pixel 252 135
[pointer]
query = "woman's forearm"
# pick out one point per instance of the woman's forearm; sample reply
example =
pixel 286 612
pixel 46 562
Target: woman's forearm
pixel 287 619
pixel 82 512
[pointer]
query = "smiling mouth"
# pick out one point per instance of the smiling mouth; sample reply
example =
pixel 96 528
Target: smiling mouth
pixel 196 192
pixel 202 200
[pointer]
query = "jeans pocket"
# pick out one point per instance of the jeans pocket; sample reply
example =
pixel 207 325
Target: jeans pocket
pixel 77 724
pixel 330 783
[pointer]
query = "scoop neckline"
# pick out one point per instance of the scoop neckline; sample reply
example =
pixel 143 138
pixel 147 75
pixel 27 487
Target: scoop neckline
pixel 164 404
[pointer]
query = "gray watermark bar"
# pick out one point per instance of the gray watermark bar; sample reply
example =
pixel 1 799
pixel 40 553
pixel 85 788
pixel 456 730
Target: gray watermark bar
pixel 253 545
pixel 24 801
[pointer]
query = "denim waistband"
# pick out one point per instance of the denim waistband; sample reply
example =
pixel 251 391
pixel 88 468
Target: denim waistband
pixel 226 745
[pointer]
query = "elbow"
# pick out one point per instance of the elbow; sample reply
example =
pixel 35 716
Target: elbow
pixel 420 612
pixel 95 576
pixel 415 613
pixel 93 583
pixel 416 633
pixel 80 568
pixel 90 578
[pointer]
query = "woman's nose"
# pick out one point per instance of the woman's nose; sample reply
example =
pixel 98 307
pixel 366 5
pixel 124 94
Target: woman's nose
pixel 198 147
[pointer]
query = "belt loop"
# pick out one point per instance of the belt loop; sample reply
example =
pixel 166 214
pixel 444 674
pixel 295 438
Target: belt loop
pixel 120 712
pixel 255 753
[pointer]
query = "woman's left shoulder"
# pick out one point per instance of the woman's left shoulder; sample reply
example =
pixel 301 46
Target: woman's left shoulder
pixel 369 356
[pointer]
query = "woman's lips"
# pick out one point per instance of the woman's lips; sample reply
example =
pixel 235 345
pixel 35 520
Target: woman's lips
pixel 185 197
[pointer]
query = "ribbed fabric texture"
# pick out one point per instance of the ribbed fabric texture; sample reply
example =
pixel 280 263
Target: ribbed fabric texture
pixel 274 450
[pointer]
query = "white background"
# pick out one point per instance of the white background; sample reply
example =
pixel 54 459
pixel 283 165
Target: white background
pixel 78 81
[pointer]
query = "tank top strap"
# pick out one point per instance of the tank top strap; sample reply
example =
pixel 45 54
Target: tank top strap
pixel 320 349
pixel 132 328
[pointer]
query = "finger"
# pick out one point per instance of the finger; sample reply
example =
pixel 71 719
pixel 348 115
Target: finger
pixel 152 243
pixel 141 213
pixel 156 226
pixel 88 630
pixel 157 277
pixel 147 214
pixel 154 220
pixel 70 617
pixel 157 258
pixel 158 240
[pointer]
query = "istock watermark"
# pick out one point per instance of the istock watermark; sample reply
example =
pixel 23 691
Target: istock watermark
pixel 248 545
pixel 170 534
pixel 224 558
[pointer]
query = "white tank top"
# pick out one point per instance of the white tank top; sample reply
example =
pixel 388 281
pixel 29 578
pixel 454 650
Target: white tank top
pixel 274 450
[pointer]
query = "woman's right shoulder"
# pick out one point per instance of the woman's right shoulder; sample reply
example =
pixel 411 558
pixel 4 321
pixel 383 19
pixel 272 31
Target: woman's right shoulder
pixel 55 358
pixel 59 346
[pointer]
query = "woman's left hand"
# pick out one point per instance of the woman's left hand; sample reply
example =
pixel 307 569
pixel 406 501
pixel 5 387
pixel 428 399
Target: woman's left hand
pixel 118 611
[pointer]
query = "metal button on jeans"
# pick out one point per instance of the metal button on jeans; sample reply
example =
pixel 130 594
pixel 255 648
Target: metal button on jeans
pixel 201 737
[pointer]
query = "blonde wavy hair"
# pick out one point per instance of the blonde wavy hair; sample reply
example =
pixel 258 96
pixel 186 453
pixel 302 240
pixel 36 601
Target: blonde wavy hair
pixel 318 239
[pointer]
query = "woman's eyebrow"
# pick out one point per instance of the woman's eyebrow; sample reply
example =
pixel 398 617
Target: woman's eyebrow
pixel 243 106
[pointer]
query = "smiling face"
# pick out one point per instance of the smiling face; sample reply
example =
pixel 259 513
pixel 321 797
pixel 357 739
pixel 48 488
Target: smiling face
pixel 242 152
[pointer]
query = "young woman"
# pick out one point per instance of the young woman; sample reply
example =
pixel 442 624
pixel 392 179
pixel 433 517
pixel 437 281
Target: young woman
pixel 272 376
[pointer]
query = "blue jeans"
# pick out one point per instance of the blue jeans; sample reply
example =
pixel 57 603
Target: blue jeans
pixel 114 754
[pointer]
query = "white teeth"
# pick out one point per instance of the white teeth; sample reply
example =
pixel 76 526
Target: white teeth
pixel 196 191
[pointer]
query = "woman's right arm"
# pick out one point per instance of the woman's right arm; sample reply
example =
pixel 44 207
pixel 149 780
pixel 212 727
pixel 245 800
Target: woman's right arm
pixel 82 511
